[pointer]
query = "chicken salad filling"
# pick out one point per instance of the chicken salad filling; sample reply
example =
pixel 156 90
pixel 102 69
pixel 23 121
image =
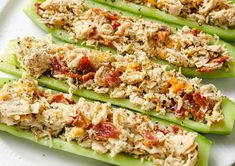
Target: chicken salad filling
pixel 94 125
pixel 134 77
pixel 186 47
pixel 219 13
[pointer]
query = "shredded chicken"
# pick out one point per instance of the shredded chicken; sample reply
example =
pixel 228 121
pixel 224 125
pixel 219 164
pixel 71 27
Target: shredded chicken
pixel 95 125
pixel 219 13
pixel 145 83
pixel 185 47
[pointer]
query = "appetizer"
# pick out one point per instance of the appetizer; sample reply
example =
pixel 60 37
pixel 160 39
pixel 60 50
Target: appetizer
pixel 188 48
pixel 84 126
pixel 131 81
pixel 211 16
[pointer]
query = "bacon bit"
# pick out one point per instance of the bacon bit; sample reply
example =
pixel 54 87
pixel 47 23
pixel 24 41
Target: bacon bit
pixel 206 69
pixel 88 76
pixel 164 131
pixel 56 65
pixel 85 65
pixel 94 34
pixel 96 10
pixel 192 106
pixel 180 113
pixel 175 129
pixel 112 17
pixel 81 121
pixel 195 32
pixel 105 130
pixel 116 25
pixel 200 100
pixel 221 59
pixel 38 8
pixel 113 79
pixel 72 75
pixel 149 139
pixel 59 98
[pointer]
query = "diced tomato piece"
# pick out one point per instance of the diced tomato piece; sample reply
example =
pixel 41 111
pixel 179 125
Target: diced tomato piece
pixel 175 129
pixel 150 138
pixel 116 25
pixel 113 79
pixel 195 32
pixel 88 76
pixel 105 130
pixel 85 65
pixel 200 100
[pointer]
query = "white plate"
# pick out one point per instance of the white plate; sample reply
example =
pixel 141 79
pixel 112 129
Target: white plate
pixel 19 152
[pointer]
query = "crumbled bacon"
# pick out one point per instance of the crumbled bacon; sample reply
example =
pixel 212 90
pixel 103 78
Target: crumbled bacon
pixel 59 98
pixel 85 65
pixel 116 25
pixel 175 129
pixel 94 34
pixel 56 64
pixel 88 76
pixel 112 78
pixel 200 100
pixel 206 69
pixel 105 130
pixel 112 17
pixel 191 106
pixel 221 59
pixel 38 8
pixel 158 129
pixel 195 32
pixel 81 121
pixel 150 138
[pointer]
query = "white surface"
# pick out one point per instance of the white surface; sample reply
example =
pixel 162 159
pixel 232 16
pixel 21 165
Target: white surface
pixel 19 152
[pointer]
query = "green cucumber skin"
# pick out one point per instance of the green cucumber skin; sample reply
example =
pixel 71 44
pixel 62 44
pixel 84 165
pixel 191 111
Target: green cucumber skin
pixel 151 12
pixel 190 72
pixel 11 66
pixel 204 144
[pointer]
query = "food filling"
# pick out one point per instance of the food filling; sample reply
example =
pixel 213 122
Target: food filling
pixel 219 13
pixel 145 83
pixel 184 47
pixel 95 125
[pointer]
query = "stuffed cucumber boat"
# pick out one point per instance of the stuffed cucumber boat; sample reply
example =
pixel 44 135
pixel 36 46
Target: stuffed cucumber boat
pixel 94 129
pixel 131 81
pixel 211 16
pixel 82 22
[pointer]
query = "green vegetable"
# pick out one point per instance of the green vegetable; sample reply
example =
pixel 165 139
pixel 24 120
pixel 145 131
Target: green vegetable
pixel 121 159
pixel 191 72
pixel 11 66
pixel 151 12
